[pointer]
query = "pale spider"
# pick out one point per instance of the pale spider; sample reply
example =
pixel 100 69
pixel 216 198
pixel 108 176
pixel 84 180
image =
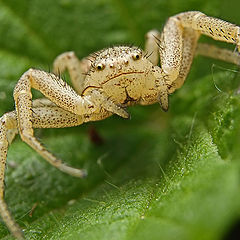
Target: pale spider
pixel 106 83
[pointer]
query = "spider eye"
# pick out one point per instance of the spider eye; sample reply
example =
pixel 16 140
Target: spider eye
pixel 136 56
pixel 100 66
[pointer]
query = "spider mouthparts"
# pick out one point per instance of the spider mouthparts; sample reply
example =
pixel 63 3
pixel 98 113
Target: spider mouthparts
pixel 128 116
pixel 123 113
pixel 164 108
pixel 163 101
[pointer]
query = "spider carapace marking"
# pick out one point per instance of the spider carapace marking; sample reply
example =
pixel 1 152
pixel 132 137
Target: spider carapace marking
pixel 125 75
pixel 106 83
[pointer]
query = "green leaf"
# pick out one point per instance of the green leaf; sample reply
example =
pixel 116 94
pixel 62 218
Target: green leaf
pixel 159 175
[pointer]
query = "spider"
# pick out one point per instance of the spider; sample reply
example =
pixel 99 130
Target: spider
pixel 106 83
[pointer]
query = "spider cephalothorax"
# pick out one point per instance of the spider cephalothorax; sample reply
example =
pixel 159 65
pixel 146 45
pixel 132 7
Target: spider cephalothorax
pixel 106 82
pixel 124 74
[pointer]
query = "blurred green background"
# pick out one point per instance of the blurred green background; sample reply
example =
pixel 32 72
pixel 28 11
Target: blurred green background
pixel 173 175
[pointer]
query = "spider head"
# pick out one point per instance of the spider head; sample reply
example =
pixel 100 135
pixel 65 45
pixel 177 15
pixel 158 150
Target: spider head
pixel 121 72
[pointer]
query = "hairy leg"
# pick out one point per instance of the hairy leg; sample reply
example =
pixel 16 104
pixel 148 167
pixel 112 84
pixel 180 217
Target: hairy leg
pixel 171 49
pixel 176 55
pixel 223 54
pixel 213 27
pixel 190 38
pixel 5 214
pixel 152 46
pixel 172 40
pixel 155 43
pixel 49 116
pixel 77 69
pixel 60 93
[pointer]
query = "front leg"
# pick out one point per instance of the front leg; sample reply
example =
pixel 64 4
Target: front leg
pixel 179 40
pixel 222 54
pixel 64 97
pixel 60 93
pixel 213 27
pixel 5 214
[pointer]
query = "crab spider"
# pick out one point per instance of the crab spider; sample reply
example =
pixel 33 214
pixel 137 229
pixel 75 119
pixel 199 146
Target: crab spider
pixel 106 83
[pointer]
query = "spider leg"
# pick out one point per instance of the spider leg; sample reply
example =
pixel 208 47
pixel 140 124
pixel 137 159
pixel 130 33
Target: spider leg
pixel 179 39
pixel 76 68
pixel 213 27
pixel 42 102
pixel 52 116
pixel 11 133
pixel 5 214
pixel 152 45
pixel 63 96
pixel 223 54
pixel 54 88
pixel 190 38
pixel 176 57
pixel 60 93
pixel 48 116
pixel 171 49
